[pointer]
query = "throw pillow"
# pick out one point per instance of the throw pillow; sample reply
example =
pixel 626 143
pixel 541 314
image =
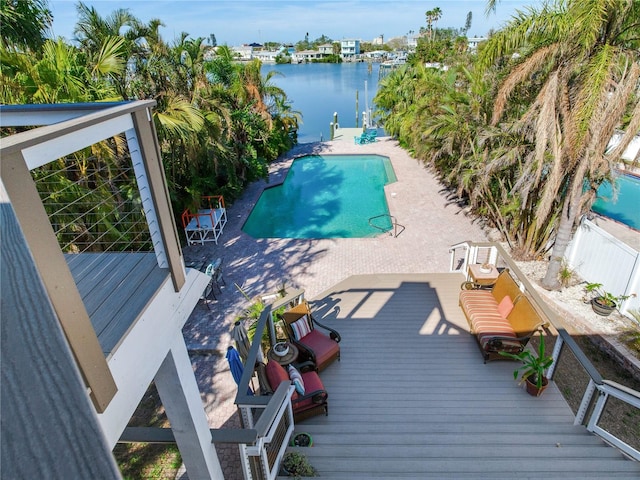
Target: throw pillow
pixel 505 306
pixel 300 327
pixel 296 378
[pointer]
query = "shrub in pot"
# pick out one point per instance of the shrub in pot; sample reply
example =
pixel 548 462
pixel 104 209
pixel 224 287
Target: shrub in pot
pixel 603 302
pixel 296 464
pixel 532 370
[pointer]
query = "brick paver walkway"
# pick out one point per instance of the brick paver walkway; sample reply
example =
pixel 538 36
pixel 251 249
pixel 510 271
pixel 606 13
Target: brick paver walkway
pixel 433 220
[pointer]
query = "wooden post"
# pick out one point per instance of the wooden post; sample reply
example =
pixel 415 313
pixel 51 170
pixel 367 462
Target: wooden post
pixel 180 397
pixel 357 109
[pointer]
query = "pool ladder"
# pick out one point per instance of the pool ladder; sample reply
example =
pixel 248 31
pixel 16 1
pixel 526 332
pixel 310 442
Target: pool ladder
pixel 397 228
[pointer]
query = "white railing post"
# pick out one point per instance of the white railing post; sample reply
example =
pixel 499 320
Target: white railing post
pixel 557 348
pixel 586 401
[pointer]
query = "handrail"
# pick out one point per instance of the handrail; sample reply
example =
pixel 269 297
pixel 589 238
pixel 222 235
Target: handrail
pixel 394 223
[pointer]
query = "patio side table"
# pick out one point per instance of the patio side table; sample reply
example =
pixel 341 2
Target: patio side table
pixel 290 357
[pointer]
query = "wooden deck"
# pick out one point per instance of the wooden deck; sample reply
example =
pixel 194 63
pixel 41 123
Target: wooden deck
pixel 115 288
pixel 411 397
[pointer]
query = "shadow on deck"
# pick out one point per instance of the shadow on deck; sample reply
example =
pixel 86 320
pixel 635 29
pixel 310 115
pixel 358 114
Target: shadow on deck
pixel 411 397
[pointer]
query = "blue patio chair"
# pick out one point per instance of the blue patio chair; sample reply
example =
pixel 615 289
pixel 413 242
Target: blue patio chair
pixel 370 136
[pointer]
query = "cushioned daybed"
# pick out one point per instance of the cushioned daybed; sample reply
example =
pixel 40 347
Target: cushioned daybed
pixel 503 319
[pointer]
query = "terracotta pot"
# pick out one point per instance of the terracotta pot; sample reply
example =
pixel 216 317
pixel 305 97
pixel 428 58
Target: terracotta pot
pixel 600 308
pixel 532 388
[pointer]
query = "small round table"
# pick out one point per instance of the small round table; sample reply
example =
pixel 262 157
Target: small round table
pixel 290 357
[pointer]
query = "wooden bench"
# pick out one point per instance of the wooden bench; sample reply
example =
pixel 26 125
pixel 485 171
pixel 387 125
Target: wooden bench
pixel 503 319
pixel 207 224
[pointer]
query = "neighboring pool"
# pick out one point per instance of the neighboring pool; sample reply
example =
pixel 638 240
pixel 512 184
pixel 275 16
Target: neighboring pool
pixel 328 196
pixel 626 208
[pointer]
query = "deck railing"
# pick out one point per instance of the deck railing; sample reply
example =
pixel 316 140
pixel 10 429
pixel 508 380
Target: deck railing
pixel 598 390
pixel 270 416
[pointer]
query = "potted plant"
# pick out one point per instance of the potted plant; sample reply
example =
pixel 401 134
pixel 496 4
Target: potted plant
pixel 296 464
pixel 302 439
pixel 532 370
pixel 603 302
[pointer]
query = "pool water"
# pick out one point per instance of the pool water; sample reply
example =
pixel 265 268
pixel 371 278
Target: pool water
pixel 625 207
pixel 328 196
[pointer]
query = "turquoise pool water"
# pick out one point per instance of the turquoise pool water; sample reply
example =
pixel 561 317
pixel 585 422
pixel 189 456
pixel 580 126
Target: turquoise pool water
pixel 626 207
pixel 328 196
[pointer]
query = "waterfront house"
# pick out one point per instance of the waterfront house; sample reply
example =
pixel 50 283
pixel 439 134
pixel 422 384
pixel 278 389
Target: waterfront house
pixel 349 48
pixel 326 49
pixel 306 56
pixel 243 52
pixel 267 56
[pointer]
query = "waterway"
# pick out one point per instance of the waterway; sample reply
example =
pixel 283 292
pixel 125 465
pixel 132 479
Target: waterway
pixel 317 90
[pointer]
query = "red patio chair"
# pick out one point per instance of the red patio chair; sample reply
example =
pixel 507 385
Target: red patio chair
pixel 312 402
pixel 314 345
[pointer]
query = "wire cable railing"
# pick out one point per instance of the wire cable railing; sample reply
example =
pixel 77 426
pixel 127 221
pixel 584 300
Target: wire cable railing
pixel 93 205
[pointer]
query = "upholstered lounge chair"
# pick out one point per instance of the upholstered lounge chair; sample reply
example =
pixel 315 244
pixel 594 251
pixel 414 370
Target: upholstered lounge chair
pixel 314 345
pixel 314 400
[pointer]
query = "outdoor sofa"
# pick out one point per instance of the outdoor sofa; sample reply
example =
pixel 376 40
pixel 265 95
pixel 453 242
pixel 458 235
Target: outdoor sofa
pixel 502 318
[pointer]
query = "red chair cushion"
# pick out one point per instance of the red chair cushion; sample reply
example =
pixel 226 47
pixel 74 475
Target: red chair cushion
pixel 276 374
pixel 322 345
pixel 312 383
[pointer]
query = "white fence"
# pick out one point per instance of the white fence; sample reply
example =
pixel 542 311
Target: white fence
pixel 597 256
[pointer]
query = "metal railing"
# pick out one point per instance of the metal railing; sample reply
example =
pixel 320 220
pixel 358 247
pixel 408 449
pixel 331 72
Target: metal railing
pixel 394 224
pixel 598 391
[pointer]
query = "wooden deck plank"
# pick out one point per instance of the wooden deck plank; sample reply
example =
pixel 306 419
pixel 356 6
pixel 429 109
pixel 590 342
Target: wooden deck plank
pixel 115 288
pixel 412 398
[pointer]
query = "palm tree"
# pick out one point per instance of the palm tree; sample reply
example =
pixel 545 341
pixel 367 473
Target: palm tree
pixel 25 23
pixel 432 17
pixel 574 82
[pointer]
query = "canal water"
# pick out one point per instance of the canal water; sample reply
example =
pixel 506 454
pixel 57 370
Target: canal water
pixel 317 90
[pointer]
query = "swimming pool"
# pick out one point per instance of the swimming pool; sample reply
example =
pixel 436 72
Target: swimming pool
pixel 626 207
pixel 325 196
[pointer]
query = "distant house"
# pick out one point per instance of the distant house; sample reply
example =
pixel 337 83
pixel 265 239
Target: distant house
pixel 473 43
pixel 376 54
pixel 412 42
pixel 243 52
pixel 306 56
pixel 349 48
pixel 267 56
pixel 326 49
pixel 379 40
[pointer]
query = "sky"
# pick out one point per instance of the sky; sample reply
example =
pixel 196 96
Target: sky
pixel 246 21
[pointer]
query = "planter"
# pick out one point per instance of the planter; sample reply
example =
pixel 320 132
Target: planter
pixel 601 308
pixel 302 439
pixel 532 388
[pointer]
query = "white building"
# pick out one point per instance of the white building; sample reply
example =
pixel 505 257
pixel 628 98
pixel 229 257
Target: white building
pixel 349 47
pixel 306 56
pixel 473 43
pixel 243 52
pixel 326 49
